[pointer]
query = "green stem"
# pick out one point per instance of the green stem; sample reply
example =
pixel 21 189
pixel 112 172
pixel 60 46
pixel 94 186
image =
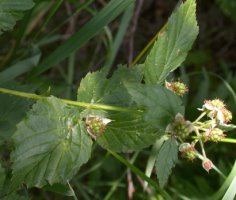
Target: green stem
pixel 200 117
pixel 147 47
pixel 73 192
pixel 69 102
pixel 226 140
pixel 201 144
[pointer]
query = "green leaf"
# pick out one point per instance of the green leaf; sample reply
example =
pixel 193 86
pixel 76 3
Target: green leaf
pixel 92 87
pixel 96 88
pixel 172 45
pixel 11 11
pixel 160 104
pixel 20 67
pixel 124 74
pixel 117 94
pixel 127 131
pixel 89 30
pixel 166 159
pixel 50 145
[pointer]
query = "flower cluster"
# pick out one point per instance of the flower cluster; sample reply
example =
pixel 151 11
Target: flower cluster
pixel 214 135
pixel 216 110
pixel 211 128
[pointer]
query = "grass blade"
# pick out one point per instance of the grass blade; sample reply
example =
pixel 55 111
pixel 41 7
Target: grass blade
pixel 51 14
pixel 231 192
pixel 90 29
pixel 225 185
pixel 20 67
pixel 119 36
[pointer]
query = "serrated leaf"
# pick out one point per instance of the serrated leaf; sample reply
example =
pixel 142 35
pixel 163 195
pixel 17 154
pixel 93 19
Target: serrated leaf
pixel 123 73
pixel 127 131
pixel 172 45
pixel 50 145
pixel 118 95
pixel 96 88
pixel 92 87
pixel 160 104
pixel 166 160
pixel 11 11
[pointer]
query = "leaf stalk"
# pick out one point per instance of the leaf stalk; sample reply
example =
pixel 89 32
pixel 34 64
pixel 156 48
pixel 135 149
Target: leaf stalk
pixel 70 102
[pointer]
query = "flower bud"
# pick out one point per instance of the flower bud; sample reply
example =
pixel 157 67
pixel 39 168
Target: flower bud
pixel 180 127
pixel 96 125
pixel 207 164
pixel 214 134
pixel 188 151
pixel 177 87
pixel 227 115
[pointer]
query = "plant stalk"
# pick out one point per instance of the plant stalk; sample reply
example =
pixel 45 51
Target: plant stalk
pixel 70 102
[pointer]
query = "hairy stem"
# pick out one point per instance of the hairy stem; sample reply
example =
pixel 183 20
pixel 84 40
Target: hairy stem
pixel 70 102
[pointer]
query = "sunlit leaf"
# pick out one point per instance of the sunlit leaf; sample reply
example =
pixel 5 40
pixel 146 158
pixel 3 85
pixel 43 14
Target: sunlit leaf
pixel 173 44
pixel 50 145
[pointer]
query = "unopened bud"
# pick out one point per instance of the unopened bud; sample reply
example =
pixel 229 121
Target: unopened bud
pixel 188 151
pixel 214 134
pixel 207 164
pixel 96 125
pixel 177 87
pixel 180 127
pixel 227 115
